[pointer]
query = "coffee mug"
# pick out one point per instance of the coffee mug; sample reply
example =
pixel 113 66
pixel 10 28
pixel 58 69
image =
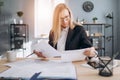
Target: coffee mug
pixel 11 56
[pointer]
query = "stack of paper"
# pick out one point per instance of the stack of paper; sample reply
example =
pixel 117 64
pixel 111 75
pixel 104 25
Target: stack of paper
pixel 27 68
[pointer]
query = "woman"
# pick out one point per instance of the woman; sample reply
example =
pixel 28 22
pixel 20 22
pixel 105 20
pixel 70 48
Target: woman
pixel 66 34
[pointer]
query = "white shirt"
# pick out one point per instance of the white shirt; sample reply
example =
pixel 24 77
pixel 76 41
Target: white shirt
pixel 62 40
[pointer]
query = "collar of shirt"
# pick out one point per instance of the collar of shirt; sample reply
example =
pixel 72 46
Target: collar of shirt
pixel 65 29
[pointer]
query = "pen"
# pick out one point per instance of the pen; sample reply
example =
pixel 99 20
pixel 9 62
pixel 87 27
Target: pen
pixel 34 77
pixel 30 54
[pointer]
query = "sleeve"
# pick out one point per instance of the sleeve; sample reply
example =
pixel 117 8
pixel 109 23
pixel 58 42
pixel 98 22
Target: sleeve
pixel 84 40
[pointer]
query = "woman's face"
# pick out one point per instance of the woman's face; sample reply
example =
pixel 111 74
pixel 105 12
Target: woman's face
pixel 65 18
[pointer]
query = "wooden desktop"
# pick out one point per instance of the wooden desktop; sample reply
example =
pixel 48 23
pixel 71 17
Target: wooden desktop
pixel 84 73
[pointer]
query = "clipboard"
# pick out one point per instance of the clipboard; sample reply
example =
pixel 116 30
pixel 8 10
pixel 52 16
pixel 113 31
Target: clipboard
pixel 4 68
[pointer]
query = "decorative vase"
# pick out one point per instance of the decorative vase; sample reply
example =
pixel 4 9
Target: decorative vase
pixel 20 14
pixel 20 21
pixel 106 64
pixel 94 21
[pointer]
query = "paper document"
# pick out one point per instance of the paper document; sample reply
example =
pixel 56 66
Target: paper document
pixel 73 55
pixel 46 49
pixel 27 68
pixel 69 55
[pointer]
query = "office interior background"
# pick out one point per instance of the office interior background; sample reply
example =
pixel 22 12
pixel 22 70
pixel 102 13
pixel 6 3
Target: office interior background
pixel 38 16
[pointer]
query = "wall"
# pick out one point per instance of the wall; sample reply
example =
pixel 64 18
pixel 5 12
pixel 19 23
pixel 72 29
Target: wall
pixel 12 6
pixel 101 8
pixel 27 6
pixel 118 28
pixel 5 19
pixel 119 25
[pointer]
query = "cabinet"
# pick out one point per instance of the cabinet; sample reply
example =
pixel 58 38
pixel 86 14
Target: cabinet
pixel 18 36
pixel 101 35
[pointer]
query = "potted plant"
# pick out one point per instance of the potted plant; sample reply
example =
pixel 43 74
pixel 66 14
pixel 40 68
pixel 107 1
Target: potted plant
pixel 20 14
pixel 94 19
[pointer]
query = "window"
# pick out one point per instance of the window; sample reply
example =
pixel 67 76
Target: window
pixel 43 16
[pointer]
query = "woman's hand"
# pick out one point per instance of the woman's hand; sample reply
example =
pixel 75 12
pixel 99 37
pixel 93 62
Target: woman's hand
pixel 39 54
pixel 92 58
pixel 90 52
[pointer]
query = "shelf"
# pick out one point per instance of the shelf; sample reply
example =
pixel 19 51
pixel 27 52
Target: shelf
pixel 94 24
pixel 18 24
pixel 108 25
pixel 18 36
pixel 95 36
pixel 18 48
pixel 105 25
pixel 99 36
pixel 99 48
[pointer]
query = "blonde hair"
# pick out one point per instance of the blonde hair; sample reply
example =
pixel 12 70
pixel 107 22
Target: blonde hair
pixel 56 27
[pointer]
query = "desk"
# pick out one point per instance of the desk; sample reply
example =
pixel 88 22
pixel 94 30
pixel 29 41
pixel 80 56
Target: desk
pixel 84 73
